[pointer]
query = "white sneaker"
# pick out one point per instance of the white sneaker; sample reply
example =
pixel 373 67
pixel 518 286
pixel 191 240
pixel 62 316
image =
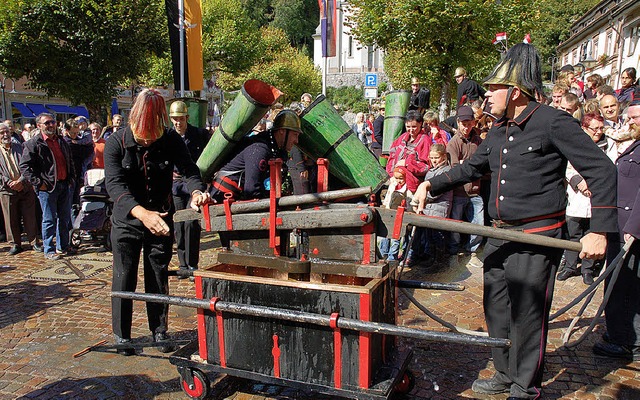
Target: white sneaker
pixel 475 261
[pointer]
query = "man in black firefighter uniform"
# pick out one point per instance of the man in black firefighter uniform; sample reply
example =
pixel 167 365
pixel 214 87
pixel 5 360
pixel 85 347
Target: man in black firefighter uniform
pixel 187 233
pixel 420 97
pixel 246 174
pixel 468 90
pixel 526 152
pixel 139 163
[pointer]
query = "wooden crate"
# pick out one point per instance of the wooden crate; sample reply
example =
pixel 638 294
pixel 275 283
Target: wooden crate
pixel 303 352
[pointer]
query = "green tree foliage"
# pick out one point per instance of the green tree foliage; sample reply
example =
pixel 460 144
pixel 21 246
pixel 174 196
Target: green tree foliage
pixel 229 36
pixel 80 49
pixel 280 65
pixel 430 38
pixel 348 98
pixel 553 22
pixel 298 19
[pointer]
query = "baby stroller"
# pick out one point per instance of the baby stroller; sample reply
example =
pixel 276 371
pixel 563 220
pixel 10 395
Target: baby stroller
pixel 93 220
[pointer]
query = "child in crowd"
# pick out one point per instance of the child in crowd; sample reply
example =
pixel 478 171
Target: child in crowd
pixel 398 191
pixel 437 206
pixel 431 126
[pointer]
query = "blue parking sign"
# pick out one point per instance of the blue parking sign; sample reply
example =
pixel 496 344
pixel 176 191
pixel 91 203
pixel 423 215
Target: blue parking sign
pixel 371 80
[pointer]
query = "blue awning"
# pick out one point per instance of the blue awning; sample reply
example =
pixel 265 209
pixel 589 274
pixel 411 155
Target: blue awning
pixel 63 109
pixel 81 111
pixel 38 108
pixel 24 110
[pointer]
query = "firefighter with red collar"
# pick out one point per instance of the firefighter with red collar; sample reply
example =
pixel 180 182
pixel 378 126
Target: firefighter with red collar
pixel 245 175
pixel 526 152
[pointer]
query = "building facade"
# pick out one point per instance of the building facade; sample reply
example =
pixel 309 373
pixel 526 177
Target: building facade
pixel 604 41
pixel 353 59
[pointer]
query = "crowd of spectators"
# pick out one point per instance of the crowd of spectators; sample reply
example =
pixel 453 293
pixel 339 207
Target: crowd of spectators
pixel 47 161
pixel 601 111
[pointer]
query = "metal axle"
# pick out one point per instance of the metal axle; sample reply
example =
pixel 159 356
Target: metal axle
pixel 316 319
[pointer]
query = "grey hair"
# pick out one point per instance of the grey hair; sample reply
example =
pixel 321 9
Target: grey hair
pixel 42 115
pixel 5 126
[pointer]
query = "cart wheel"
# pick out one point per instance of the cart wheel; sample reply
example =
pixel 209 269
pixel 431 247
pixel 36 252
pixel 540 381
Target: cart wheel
pixel 406 384
pixel 76 239
pixel 200 388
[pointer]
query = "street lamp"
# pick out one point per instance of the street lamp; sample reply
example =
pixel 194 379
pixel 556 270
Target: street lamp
pixel 553 61
pixel 4 100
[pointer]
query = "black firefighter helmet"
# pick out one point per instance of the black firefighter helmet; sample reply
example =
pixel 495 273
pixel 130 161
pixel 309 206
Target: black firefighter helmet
pixel 520 67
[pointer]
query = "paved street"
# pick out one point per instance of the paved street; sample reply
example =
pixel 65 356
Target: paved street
pixel 48 312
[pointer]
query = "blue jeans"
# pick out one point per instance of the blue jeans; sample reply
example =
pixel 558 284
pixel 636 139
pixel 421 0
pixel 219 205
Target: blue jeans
pixel 469 209
pixel 56 215
pixel 389 248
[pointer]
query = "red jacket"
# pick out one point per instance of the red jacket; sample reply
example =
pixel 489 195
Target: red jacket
pixel 416 154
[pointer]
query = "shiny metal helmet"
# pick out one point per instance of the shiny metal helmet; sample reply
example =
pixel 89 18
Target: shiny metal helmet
pixel 520 67
pixel 459 72
pixel 178 109
pixel 287 119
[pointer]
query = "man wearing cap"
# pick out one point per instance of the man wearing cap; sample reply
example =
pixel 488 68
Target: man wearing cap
pixel 468 90
pixel 244 176
pixel 420 96
pixel 139 163
pixel 187 233
pixel 526 151
pixel 467 204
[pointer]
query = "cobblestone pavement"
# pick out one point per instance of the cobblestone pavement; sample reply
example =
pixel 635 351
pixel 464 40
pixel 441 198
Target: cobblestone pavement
pixel 43 323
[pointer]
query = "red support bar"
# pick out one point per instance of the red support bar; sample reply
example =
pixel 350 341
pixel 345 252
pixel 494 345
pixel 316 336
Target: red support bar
pixel 207 217
pixel 202 332
pixel 337 351
pixel 364 344
pixel 275 180
pixel 275 351
pixel 227 213
pixel 367 236
pixel 397 223
pixel 323 175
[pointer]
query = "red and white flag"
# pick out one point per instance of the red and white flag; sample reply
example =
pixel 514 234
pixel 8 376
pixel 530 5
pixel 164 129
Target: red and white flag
pixel 500 36
pixel 527 39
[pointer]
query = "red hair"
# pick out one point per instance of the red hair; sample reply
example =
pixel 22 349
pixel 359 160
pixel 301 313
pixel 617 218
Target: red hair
pixel 587 118
pixel 148 116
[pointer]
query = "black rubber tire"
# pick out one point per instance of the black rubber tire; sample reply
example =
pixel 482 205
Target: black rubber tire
pixel 406 384
pixel 201 385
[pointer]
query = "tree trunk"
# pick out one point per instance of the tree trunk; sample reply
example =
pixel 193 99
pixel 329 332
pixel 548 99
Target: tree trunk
pixel 445 100
pixel 96 114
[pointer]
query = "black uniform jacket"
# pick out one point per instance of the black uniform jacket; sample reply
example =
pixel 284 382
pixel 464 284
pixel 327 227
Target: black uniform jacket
pixel 468 91
pixel 137 175
pixel 629 190
pixel 249 166
pixel 196 139
pixel 527 158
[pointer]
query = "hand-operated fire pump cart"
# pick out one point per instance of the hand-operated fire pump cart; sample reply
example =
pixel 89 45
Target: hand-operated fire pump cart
pixel 300 296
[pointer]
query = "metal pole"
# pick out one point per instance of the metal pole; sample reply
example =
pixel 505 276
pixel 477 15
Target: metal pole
pixel 316 319
pixel 324 76
pixel 181 23
pixel 4 100
pixel 263 204
pixel 388 218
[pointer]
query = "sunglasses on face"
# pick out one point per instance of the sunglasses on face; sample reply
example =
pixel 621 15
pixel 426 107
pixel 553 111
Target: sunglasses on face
pixel 49 123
